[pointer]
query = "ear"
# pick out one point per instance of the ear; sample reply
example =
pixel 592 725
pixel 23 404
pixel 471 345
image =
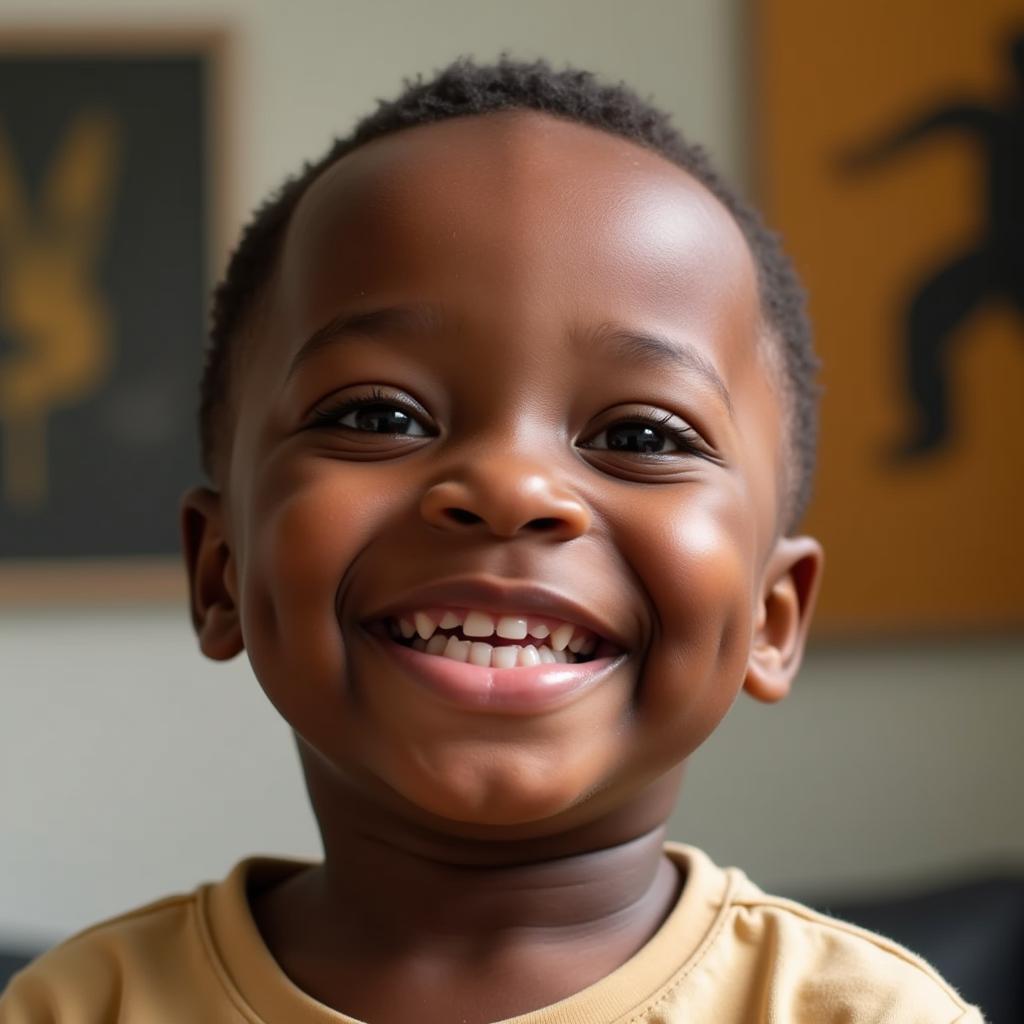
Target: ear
pixel 212 578
pixel 791 581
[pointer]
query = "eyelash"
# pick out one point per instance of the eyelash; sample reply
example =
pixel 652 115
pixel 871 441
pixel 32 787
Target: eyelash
pixel 330 416
pixel 686 438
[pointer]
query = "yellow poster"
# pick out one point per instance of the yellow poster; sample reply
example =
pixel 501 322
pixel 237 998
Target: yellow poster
pixel 890 154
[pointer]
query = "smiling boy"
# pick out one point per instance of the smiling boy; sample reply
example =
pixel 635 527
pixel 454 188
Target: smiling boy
pixel 509 424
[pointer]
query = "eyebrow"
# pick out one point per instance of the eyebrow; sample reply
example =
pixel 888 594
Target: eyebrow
pixel 658 352
pixel 652 350
pixel 389 320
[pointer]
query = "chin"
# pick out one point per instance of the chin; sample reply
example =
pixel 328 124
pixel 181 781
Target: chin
pixel 489 802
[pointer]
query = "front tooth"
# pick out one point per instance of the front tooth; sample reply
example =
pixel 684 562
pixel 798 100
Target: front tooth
pixel 547 656
pixel 449 620
pixel 561 636
pixel 529 655
pixel 539 630
pixel 511 627
pixel 425 625
pixel 504 657
pixel 478 624
pixel 457 649
pixel 407 628
pixel 480 654
pixel 437 643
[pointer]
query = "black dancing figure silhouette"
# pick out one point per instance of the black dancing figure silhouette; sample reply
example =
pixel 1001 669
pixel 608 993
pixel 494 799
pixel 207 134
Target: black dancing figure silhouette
pixel 993 267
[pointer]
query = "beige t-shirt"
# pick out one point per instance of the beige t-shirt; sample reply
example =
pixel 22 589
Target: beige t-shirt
pixel 726 954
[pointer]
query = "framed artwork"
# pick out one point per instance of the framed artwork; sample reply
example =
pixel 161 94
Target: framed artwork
pixel 111 171
pixel 889 142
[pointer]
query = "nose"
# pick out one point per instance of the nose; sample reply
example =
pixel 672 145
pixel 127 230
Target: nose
pixel 506 497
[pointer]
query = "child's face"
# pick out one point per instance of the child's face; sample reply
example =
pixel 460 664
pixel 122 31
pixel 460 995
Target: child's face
pixel 521 257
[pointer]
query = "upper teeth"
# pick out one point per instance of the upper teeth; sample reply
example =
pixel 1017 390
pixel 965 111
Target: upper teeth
pixel 475 623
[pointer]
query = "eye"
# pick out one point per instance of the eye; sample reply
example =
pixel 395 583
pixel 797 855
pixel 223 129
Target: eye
pixel 377 412
pixel 646 435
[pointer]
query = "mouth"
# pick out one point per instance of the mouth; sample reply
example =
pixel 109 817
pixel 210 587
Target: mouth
pixel 506 663
pixel 486 644
pixel 499 640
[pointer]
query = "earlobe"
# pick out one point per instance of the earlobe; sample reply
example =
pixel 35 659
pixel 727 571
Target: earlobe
pixel 791 582
pixel 211 575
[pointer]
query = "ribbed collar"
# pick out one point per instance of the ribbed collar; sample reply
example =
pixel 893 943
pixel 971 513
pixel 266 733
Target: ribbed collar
pixel 254 979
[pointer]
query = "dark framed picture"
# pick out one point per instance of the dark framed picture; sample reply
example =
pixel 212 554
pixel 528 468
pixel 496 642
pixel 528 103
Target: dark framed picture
pixel 112 163
pixel 890 154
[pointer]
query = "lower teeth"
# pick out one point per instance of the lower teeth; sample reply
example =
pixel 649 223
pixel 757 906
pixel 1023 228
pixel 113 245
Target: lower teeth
pixel 485 655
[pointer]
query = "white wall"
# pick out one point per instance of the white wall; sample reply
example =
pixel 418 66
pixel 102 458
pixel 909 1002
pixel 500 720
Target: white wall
pixel 885 770
pixel 129 767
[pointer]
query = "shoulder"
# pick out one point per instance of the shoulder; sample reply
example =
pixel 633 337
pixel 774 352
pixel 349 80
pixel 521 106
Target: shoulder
pixel 807 966
pixel 162 962
pixel 842 964
pixel 81 978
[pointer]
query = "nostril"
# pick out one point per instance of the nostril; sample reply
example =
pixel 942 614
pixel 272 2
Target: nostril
pixel 461 515
pixel 542 524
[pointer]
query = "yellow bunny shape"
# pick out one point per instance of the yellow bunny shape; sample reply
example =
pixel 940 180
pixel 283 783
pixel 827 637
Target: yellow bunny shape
pixel 50 305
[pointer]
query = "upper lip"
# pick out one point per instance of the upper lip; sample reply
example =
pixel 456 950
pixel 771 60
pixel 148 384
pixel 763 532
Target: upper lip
pixel 503 596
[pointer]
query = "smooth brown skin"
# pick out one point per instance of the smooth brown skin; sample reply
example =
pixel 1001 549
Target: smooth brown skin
pixel 478 866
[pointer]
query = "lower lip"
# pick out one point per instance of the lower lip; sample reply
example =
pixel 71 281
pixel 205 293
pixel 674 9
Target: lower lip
pixel 516 691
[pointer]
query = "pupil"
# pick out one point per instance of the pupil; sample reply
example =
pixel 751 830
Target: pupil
pixel 634 437
pixel 382 419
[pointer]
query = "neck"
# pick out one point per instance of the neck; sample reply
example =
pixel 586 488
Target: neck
pixel 510 925
pixel 440 901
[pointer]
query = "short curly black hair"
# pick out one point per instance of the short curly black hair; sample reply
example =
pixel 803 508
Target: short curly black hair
pixel 465 89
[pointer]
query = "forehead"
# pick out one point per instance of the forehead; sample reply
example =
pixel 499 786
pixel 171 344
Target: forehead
pixel 534 199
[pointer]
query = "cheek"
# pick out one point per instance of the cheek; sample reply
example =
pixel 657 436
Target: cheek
pixel 698 574
pixel 305 531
